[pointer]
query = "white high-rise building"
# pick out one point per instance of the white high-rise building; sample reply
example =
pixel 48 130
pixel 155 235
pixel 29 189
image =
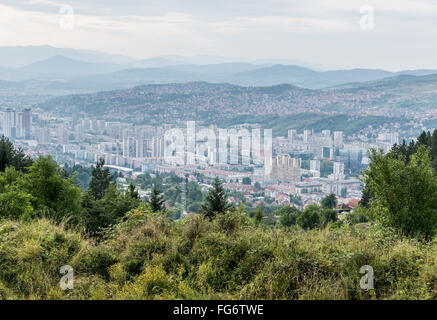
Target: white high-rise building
pixel 307 136
pixel 27 123
pixel 284 168
pixel 139 148
pixel 292 134
pixel 9 124
pixel 315 165
pixel 44 136
pixel 338 139
pixel 62 134
pixel 19 124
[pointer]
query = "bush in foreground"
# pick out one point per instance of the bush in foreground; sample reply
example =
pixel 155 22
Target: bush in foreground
pixel 148 256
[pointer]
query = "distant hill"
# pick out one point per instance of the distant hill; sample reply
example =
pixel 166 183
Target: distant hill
pixel 20 56
pixel 61 66
pixel 168 103
pixel 174 102
pixel 67 75
pixel 215 69
pixel 8 85
pixel 145 75
pixel 421 72
pixel 401 92
pixel 66 70
pixel 157 62
pixel 401 85
pixel 306 77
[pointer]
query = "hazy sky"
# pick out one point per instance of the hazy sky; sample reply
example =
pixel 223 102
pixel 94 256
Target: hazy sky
pixel 327 32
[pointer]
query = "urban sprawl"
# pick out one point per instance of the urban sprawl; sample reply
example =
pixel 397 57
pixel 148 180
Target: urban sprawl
pixel 305 165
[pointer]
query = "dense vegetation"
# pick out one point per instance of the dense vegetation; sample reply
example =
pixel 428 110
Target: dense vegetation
pixel 152 257
pixel 123 248
pixel 401 187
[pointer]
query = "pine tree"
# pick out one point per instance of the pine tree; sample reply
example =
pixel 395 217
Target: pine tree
pixel 100 181
pixel 132 192
pixel 366 198
pixel 259 215
pixel 12 157
pixel 330 201
pixel 156 201
pixel 216 201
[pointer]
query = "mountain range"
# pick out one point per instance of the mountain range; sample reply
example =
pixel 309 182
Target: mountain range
pixel 64 71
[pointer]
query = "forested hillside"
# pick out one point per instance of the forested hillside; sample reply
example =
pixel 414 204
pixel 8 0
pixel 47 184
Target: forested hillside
pixel 201 101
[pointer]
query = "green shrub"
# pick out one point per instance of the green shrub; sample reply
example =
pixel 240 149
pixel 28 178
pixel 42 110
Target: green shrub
pixel 148 256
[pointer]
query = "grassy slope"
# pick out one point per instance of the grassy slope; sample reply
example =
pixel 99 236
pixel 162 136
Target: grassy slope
pixel 150 257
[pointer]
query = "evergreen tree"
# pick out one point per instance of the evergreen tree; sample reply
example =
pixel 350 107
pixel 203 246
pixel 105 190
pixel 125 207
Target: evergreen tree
pixel 107 211
pixel 156 201
pixel 329 201
pixel 216 201
pixel 132 192
pixel 259 215
pixel 12 157
pixel 100 181
pixel 366 198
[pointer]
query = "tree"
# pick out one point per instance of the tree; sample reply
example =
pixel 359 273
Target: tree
pixel 132 192
pixel 405 193
pixel 295 199
pixel 309 218
pixel 15 203
pixel 287 216
pixel 257 186
pixel 366 198
pixel 100 181
pixel 10 156
pixel 359 215
pixel 194 207
pixel 52 193
pixel 216 201
pixel 156 201
pixel 259 215
pixel 327 215
pixel 107 211
pixel 330 201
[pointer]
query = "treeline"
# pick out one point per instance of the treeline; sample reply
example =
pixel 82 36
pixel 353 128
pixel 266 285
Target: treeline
pixel 31 189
